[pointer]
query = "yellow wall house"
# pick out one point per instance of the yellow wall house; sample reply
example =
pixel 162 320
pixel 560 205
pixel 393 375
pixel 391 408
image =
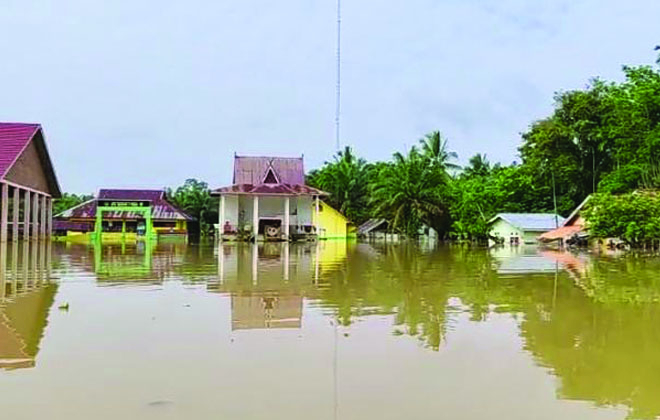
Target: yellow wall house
pixel 332 224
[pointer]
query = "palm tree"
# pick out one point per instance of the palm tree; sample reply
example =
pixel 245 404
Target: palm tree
pixel 434 147
pixel 346 180
pixel 408 192
pixel 478 166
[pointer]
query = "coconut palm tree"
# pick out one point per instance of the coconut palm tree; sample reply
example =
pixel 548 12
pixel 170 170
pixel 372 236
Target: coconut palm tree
pixel 434 147
pixel 478 166
pixel 346 180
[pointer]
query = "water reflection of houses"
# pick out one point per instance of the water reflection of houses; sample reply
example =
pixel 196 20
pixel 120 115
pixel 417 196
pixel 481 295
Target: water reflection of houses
pixel 26 297
pixel 268 282
pixel 145 262
pixel 533 260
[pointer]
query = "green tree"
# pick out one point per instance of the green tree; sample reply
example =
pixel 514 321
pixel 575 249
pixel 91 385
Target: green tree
pixel 69 200
pixel 434 147
pixel 346 179
pixel 410 192
pixel 195 198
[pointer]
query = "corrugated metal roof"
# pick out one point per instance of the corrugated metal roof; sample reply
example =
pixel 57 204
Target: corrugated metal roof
pixel 150 195
pixel 538 222
pixel 562 232
pixel 370 225
pixel 266 189
pixel 161 208
pixel 253 169
pixel 14 137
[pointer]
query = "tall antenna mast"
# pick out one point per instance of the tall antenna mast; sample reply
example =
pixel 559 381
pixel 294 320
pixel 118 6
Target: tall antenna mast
pixel 338 98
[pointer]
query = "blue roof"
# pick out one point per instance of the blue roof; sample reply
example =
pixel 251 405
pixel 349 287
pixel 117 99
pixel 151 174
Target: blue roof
pixel 539 222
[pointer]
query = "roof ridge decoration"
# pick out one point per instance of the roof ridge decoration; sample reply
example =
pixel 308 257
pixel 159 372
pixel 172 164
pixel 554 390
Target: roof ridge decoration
pixel 271 174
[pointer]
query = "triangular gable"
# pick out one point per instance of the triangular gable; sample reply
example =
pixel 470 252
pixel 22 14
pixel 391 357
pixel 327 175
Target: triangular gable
pixel 270 177
pixel 33 168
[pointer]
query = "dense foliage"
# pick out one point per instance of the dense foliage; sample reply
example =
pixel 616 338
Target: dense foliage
pixel 603 138
pixel 634 218
pixel 194 197
pixel 69 200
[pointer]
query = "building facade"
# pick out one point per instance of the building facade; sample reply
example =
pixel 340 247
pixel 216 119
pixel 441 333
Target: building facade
pixel 27 182
pixel 522 228
pixel 268 200
pixel 124 213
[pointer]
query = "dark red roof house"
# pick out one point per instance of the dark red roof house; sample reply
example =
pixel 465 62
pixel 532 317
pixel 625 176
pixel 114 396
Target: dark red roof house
pixel 268 193
pixel 167 218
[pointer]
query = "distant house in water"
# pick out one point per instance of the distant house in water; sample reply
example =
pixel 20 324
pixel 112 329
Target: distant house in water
pixel 522 228
pixel 28 182
pixel 165 217
pixel 268 200
pixel 573 228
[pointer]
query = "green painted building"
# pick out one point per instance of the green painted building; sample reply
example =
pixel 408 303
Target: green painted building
pixel 522 228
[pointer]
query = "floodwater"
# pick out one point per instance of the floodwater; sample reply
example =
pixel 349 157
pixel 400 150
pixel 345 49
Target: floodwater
pixel 326 331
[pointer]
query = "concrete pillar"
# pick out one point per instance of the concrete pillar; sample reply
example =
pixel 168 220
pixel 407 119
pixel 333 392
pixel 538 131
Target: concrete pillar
pixel 42 225
pixel 26 215
pixel 14 267
pixel 35 216
pixel 15 214
pixel 255 264
pixel 286 218
pixel 4 212
pixel 316 214
pixel 221 220
pixel 286 261
pixel 50 216
pixel 255 217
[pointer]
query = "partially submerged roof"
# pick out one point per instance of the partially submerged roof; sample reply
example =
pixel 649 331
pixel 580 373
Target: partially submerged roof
pixel 24 158
pixel 268 176
pixel 370 225
pixel 162 209
pixel 562 232
pixel 573 225
pixel 534 222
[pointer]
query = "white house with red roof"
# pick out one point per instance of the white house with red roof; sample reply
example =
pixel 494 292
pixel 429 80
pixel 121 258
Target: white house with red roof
pixel 268 200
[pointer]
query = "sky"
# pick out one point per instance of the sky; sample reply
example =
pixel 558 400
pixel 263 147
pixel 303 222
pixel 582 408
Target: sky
pixel 146 93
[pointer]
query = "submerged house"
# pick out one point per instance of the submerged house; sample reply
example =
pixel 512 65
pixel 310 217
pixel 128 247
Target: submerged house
pixel 268 200
pixel 522 228
pixel 128 213
pixel 572 231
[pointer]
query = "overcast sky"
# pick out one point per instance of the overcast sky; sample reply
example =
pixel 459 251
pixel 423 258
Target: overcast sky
pixel 146 93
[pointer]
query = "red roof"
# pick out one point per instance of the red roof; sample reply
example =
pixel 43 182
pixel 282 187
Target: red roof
pixel 267 189
pixel 253 170
pixel 268 175
pixel 147 195
pixel 161 209
pixel 562 232
pixel 14 138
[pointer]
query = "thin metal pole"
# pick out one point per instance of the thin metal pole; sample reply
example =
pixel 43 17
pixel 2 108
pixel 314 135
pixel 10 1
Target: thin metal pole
pixel 338 98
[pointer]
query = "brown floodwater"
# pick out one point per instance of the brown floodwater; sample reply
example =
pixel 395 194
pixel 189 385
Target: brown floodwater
pixel 333 330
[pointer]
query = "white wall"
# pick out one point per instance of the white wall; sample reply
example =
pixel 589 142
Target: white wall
pixel 301 209
pixel 231 211
pixel 304 207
